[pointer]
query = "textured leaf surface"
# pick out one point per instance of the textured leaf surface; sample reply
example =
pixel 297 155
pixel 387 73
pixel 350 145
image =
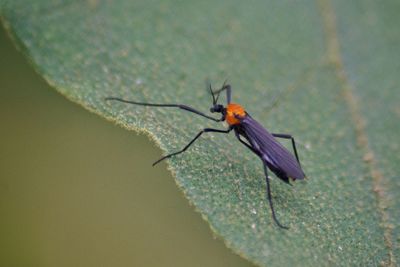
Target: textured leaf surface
pixel 324 72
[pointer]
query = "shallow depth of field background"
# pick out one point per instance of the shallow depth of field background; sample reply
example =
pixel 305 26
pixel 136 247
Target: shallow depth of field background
pixel 77 191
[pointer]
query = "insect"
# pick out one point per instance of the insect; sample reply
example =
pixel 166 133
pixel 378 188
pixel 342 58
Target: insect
pixel 250 133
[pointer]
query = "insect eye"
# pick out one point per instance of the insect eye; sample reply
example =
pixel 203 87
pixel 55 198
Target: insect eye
pixel 216 108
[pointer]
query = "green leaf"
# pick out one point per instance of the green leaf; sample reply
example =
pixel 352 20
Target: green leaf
pixel 325 72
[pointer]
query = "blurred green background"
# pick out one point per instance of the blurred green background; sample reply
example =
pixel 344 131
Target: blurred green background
pixel 76 190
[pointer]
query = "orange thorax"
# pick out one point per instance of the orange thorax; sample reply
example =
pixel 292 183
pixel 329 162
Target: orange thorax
pixel 232 112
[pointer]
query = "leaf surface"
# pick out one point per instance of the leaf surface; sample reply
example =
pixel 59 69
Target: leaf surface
pixel 323 72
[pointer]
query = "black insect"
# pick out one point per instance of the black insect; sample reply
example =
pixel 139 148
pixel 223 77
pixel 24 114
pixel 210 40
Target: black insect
pixel 273 155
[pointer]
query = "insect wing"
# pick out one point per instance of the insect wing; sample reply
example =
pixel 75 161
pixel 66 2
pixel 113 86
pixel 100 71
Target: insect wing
pixel 277 157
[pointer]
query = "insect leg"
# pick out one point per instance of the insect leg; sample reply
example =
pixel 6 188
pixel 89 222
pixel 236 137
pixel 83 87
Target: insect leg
pixel 205 130
pixel 228 93
pixel 184 107
pixel 288 136
pixel 246 144
pixel 270 199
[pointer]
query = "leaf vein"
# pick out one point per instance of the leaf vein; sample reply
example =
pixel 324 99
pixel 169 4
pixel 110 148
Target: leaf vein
pixel 334 56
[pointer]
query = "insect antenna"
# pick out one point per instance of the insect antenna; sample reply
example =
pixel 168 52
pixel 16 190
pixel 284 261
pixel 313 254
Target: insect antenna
pixel 224 87
pixel 218 92
pixel 212 94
